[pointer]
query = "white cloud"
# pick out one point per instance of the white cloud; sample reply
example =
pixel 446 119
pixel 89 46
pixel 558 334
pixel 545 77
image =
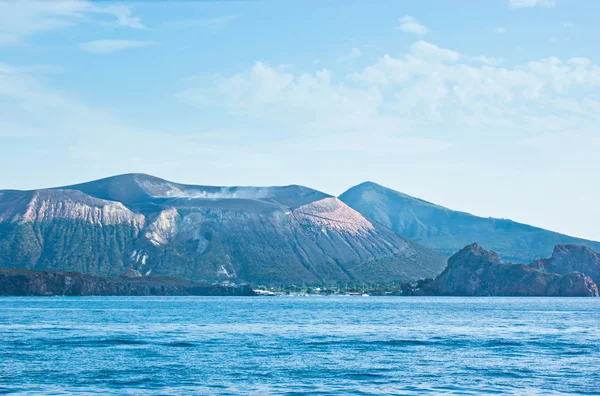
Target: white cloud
pixel 22 19
pixel 530 3
pixel 109 46
pixel 480 95
pixel 427 85
pixel 485 60
pixel 276 94
pixel 123 13
pixel 425 50
pixel 582 62
pixel 410 25
pixel 500 30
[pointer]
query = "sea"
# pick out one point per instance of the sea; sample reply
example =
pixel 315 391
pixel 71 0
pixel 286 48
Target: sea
pixel 299 345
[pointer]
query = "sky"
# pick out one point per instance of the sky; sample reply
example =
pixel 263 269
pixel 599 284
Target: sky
pixel 490 107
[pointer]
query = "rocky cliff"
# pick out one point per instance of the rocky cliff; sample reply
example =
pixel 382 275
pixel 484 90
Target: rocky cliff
pixel 289 234
pixel 474 271
pixel 447 231
pixel 16 282
pixel 569 258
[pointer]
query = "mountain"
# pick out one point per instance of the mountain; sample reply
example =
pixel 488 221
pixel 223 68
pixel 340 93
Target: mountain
pixel 474 271
pixel 447 231
pixel 290 234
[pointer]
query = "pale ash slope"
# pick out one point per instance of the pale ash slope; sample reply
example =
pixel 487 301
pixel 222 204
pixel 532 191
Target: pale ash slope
pixel 65 230
pixel 447 231
pixel 48 205
pixel 269 234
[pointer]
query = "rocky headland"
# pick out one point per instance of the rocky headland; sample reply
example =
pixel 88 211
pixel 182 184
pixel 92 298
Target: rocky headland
pixel 475 271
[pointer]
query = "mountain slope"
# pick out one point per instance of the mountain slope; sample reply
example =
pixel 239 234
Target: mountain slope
pixel 65 230
pixel 447 231
pixel 290 234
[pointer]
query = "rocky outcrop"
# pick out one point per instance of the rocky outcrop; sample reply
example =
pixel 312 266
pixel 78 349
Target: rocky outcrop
pixel 16 282
pixel 574 284
pixel 272 235
pixel 474 271
pixel 447 231
pixel 569 258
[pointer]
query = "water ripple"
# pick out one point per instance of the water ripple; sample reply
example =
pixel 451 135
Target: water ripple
pixel 321 346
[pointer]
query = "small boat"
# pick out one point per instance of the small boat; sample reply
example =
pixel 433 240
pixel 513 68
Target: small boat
pixel 365 294
pixel 266 293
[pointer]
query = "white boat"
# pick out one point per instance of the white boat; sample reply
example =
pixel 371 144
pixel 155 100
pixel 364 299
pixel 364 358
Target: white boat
pixel 363 292
pixel 264 293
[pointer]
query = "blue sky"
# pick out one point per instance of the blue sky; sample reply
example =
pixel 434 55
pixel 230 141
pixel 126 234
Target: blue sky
pixel 490 107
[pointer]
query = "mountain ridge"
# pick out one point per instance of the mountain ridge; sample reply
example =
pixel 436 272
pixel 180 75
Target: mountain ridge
pixel 134 188
pixel 281 234
pixel 447 231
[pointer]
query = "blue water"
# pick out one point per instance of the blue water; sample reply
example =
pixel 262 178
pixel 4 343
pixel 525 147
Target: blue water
pixel 293 345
